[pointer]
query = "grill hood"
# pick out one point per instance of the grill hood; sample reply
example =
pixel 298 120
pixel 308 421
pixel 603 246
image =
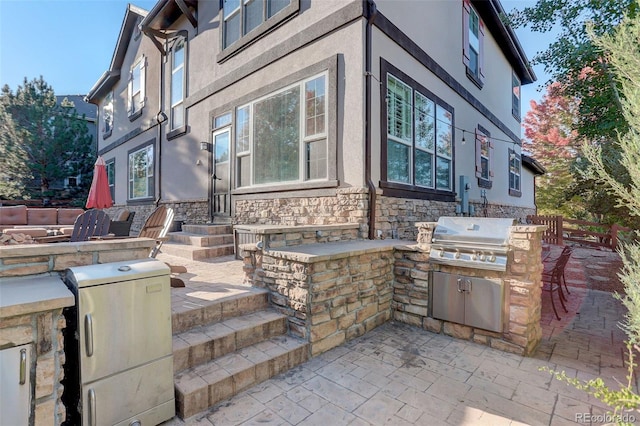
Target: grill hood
pixel 472 231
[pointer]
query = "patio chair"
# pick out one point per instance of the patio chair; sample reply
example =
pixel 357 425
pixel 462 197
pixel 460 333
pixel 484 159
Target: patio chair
pixel 90 224
pixel 121 223
pixel 157 226
pixel 553 278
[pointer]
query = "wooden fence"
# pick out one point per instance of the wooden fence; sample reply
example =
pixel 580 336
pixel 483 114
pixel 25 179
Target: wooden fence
pixel 559 230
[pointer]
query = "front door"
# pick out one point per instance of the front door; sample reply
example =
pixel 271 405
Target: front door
pixel 221 177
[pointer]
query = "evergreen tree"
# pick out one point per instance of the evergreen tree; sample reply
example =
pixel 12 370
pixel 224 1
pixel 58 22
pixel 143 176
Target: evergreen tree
pixel 14 171
pixel 55 140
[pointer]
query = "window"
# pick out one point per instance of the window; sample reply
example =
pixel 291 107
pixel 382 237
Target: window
pixel 178 83
pixel 484 158
pixel 515 167
pixel 137 89
pixel 473 43
pixel 419 137
pixel 141 181
pixel 107 115
pixel 515 96
pixel 282 137
pixel 240 17
pixel 111 177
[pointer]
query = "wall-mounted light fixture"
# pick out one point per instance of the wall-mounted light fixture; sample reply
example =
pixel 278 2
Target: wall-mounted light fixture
pixel 204 146
pixel 161 117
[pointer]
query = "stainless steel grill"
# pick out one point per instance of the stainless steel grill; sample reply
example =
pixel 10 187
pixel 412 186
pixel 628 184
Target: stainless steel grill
pixel 472 242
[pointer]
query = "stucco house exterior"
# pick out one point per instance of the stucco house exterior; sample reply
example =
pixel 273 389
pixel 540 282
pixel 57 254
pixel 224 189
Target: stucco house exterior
pixel 382 113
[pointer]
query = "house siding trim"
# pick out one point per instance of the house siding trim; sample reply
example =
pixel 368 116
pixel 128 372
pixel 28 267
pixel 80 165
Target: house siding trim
pixel 125 138
pixel 331 23
pixel 405 42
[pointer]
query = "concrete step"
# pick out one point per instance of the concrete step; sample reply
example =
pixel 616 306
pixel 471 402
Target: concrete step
pixel 200 345
pixel 191 310
pixel 205 385
pixel 200 240
pixel 196 253
pixel 208 229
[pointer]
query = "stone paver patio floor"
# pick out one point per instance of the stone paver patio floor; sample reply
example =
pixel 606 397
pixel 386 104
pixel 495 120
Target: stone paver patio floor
pixel 402 375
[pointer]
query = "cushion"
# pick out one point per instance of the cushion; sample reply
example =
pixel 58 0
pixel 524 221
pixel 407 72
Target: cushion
pixel 121 215
pixel 13 215
pixel 34 232
pixel 37 216
pixel 68 216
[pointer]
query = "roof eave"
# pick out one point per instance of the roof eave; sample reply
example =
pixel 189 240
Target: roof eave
pixel 533 165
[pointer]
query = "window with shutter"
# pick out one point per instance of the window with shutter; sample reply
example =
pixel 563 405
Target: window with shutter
pixel 484 158
pixel 473 43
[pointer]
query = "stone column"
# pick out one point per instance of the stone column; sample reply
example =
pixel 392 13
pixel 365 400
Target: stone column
pixel 425 234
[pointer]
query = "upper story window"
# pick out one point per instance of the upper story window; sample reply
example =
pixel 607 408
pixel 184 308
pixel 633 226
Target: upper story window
pixel 107 115
pixel 419 137
pixel 515 96
pixel 473 43
pixel 484 158
pixel 137 88
pixel 240 17
pixel 178 84
pixel 515 169
pixel 282 137
pixel 141 167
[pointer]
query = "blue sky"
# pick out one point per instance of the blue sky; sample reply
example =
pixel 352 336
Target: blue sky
pixel 71 42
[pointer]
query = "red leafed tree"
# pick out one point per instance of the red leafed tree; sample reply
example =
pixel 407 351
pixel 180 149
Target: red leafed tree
pixel 550 139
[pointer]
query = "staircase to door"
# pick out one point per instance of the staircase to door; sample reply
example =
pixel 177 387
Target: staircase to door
pixel 198 242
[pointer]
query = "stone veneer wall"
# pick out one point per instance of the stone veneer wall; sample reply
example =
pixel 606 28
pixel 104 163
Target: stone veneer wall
pixel 45 328
pixel 274 236
pixel 397 217
pixel 499 210
pixel 349 205
pixel 522 281
pixel 187 211
pixel 329 299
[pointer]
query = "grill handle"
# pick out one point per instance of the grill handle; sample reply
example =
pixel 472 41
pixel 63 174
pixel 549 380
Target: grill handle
pixel 88 334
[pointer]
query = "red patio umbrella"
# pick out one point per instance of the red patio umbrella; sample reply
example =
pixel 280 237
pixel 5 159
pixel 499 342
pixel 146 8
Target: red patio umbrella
pixel 99 193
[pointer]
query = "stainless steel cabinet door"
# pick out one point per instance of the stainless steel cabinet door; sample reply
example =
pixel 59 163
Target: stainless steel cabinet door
pixel 15 385
pixel 483 304
pixel 144 393
pixel 123 325
pixel 448 302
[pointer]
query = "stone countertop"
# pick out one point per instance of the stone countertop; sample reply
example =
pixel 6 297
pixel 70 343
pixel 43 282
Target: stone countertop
pixel 27 295
pixel 310 253
pixel 278 229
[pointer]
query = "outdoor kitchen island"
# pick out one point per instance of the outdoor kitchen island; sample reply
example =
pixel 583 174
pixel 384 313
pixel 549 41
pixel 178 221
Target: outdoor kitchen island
pixel 334 292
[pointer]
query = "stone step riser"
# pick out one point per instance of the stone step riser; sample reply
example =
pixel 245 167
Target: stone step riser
pixel 201 241
pixel 193 349
pixel 208 229
pixel 200 389
pixel 225 309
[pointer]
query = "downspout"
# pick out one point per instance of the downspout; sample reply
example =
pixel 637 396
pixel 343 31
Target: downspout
pixel 370 12
pixel 161 118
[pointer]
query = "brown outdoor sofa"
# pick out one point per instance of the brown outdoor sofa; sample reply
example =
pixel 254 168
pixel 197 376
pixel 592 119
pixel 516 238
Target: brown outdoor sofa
pixel 36 222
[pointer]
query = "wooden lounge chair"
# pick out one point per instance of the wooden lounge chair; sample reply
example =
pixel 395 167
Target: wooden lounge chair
pixel 90 224
pixel 157 226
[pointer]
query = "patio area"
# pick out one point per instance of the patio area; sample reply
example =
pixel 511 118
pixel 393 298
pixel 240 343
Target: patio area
pixel 402 375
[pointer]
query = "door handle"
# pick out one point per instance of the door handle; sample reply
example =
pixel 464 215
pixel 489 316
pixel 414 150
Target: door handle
pixel 468 282
pixel 88 334
pixel 23 366
pixel 92 407
pixel 459 281
pixel 214 177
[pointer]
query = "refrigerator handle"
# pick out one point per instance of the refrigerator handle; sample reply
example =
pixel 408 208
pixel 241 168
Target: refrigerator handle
pixel 88 332
pixel 23 366
pixel 92 407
